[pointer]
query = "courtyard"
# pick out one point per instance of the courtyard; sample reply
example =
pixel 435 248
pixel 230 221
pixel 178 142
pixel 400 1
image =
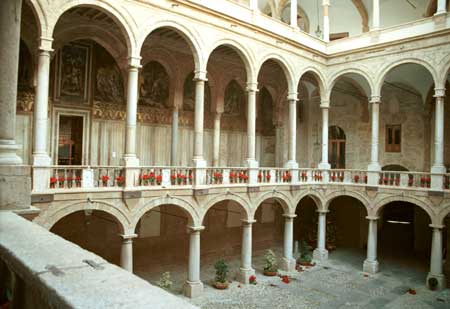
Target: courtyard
pixel 337 283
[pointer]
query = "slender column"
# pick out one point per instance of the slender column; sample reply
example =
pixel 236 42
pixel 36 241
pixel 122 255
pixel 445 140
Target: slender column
pixel 374 164
pixel 321 253
pixel 40 154
pixel 292 153
pixel 441 7
pixel 294 14
pixel 438 168
pixel 130 158
pixel 174 148
pixel 371 263
pixel 126 252
pixel 254 5
pixel 251 124
pixel 288 262
pixel 246 269
pixel 216 141
pixel 325 108
pixel 436 263
pixel 193 286
pixel 10 15
pixel 326 20
pixel 375 14
pixel 200 79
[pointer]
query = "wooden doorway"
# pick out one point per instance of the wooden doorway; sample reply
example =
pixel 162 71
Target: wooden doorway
pixel 70 140
pixel 336 147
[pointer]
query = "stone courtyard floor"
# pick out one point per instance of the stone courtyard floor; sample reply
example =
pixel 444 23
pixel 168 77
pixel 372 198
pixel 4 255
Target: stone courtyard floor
pixel 338 283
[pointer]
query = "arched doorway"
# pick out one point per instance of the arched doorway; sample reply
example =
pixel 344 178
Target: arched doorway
pixel 336 146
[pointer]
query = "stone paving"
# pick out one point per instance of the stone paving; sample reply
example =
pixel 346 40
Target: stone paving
pixel 338 283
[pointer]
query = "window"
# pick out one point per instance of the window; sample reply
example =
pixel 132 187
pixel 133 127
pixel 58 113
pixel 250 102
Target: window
pixel 393 138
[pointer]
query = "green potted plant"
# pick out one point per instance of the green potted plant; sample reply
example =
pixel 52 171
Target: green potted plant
pixel 270 268
pixel 165 282
pixel 220 281
pixel 432 283
pixel 305 257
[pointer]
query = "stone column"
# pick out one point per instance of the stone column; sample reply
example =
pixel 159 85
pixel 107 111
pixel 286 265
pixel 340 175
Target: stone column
pixel 251 162
pixel 198 159
pixel 254 5
pixel 375 14
pixel 325 108
pixel 438 164
pixel 193 286
pixel 130 158
pixel 10 15
pixel 288 262
pixel 441 7
pixel 40 138
pixel 371 263
pixel 216 141
pixel 292 153
pixel 294 14
pixel 126 252
pixel 326 21
pixel 374 166
pixel 174 148
pixel 321 253
pixel 246 269
pixel 436 263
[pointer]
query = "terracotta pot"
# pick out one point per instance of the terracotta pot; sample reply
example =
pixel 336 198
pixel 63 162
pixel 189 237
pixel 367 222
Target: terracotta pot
pixel 221 285
pixel 306 263
pixel 270 273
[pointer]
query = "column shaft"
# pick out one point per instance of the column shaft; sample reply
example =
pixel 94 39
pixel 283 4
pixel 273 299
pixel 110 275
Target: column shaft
pixel 375 14
pixel 199 116
pixel 254 4
pixel 126 254
pixel 436 252
pixel 216 141
pixel 194 257
pixel 292 131
pixel 251 125
pixel 324 163
pixel 439 133
pixel 40 155
pixel 132 97
pixel 10 15
pixel 174 148
pixel 321 231
pixel 326 21
pixel 246 254
pixel 294 14
pixel 441 7
pixel 371 264
pixel 288 237
pixel 375 131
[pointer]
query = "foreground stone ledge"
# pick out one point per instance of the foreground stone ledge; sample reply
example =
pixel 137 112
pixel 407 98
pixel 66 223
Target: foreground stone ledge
pixel 30 252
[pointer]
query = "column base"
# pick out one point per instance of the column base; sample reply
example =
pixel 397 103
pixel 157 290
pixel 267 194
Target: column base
pixel 193 289
pixel 374 167
pixel 8 155
pixel 291 164
pixel 370 267
pixel 320 255
pixel 16 181
pixel 287 264
pixel 244 275
pixel 251 163
pixel 200 171
pixel 324 166
pixel 41 160
pixel 441 283
pixel 130 161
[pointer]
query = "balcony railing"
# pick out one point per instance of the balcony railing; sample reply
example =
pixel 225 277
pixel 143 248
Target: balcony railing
pixel 119 177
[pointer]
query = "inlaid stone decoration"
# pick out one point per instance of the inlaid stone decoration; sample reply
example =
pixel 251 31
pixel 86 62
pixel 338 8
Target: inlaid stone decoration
pixel 73 72
pixel 108 80
pixel 154 86
pixel 189 95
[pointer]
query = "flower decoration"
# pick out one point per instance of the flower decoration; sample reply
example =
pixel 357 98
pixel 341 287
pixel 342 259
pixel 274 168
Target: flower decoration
pixel 252 279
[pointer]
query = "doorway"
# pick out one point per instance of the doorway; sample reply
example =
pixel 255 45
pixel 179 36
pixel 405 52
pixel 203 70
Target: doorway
pixel 336 146
pixel 70 140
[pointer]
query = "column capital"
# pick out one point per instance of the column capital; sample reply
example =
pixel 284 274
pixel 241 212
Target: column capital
pixel 322 211
pixel 128 236
pixel 134 62
pixel 289 216
pixel 439 92
pixel 372 218
pixel 436 226
pixel 200 76
pixel 45 44
pixel 325 2
pixel 252 87
pixel 195 228
pixel 248 222
pixel 375 99
pixel 325 104
pixel 293 96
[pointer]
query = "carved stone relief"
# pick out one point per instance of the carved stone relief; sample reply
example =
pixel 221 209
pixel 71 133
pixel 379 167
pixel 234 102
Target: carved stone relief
pixel 154 86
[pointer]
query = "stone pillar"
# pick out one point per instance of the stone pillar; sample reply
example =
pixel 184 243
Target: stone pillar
pixel 326 21
pixel 374 166
pixel 321 253
pixel 441 7
pixel 251 125
pixel 325 108
pixel 193 286
pixel 198 159
pixel 436 263
pixel 288 262
pixel 254 5
pixel 130 158
pixel 174 147
pixel 126 252
pixel 246 269
pixel 216 141
pixel 438 164
pixel 375 14
pixel 294 14
pixel 40 138
pixel 371 263
pixel 10 15
pixel 292 153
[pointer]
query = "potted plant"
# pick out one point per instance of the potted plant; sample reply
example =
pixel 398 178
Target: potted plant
pixel 105 179
pixel 432 283
pixel 305 257
pixel 53 181
pixel 220 281
pixel 120 180
pixel 270 268
pixel 165 282
pixel 252 280
pixel 158 179
pixel 356 178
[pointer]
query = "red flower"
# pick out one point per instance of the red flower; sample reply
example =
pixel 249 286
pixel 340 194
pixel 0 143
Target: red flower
pixel 216 176
pixel 268 176
pixel 53 180
pixel 412 292
pixel 159 178
pixel 259 175
pixel 61 179
pixel 356 178
pixel 173 177
pixel 145 177
pixel 120 179
pixel 78 178
pixel 304 175
pixel 285 279
pixel 105 178
pixel 252 279
pixel 151 175
pixel 242 176
pixel 233 175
